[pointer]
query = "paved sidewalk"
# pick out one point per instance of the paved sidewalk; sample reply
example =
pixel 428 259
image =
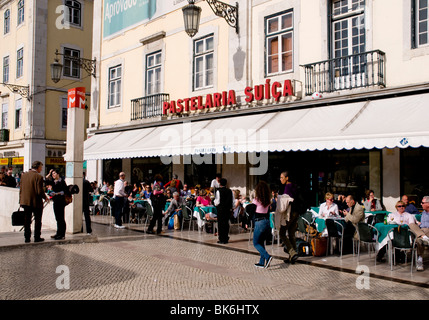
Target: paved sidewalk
pixel 104 231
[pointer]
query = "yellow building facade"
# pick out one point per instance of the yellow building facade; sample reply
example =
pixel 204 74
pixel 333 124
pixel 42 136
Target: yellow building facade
pixel 36 121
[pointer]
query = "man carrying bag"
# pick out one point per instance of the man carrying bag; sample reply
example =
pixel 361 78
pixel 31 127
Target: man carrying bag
pixel 31 196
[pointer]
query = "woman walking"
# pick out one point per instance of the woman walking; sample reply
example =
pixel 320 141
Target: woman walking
pixel 262 223
pixel 59 188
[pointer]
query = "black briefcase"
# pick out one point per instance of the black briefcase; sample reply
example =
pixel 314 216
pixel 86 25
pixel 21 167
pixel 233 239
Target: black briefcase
pixel 18 218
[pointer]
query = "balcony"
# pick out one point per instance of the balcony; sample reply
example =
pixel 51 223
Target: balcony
pixel 360 70
pixel 149 106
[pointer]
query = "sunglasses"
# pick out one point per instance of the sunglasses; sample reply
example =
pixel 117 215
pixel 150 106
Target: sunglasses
pixel 400 207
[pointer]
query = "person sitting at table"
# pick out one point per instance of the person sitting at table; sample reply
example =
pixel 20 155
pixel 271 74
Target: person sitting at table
pixel 352 217
pixel 409 207
pixel 421 231
pixel 371 203
pixel 342 204
pixel 147 192
pixel 185 192
pixel 168 195
pixel 203 199
pixel 328 208
pixel 175 207
pixel 400 217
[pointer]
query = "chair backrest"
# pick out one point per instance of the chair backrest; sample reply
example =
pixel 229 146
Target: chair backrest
pixel 250 210
pixel 149 210
pixel 332 228
pixel 185 212
pixel 308 216
pixel 301 225
pixel 401 238
pixel 365 232
pixel 379 217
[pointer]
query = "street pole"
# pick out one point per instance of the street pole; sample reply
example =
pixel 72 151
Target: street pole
pixel 74 155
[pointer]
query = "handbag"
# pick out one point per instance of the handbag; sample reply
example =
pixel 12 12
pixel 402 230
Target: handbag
pixel 18 217
pixel 176 222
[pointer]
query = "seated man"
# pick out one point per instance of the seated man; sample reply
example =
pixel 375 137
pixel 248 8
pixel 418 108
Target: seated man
pixel 410 208
pixel 421 231
pixel 175 206
pixel 352 217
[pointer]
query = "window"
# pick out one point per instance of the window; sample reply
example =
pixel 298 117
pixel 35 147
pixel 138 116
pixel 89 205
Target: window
pixel 19 63
pixel 4 111
pixel 421 23
pixel 348 36
pixel 20 12
pixel 71 66
pixel 18 114
pixel 153 73
pixel 279 43
pixel 203 62
pixel 6 21
pixel 64 113
pixel 115 76
pixel 73 15
pixel 6 69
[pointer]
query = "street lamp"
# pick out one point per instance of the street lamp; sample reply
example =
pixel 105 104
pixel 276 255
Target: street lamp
pixel 192 13
pixel 57 67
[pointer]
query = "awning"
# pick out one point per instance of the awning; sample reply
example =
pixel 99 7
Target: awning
pixel 384 123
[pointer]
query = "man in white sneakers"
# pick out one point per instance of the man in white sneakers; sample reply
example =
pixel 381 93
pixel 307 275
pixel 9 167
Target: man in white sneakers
pixel 421 231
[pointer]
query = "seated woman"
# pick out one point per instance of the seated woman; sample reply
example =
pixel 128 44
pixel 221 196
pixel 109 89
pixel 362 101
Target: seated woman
pixel 371 203
pixel 400 217
pixel 328 208
pixel 168 195
pixel 204 200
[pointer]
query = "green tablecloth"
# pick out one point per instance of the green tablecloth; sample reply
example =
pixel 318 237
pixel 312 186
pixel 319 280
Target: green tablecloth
pixel 377 212
pixel 321 223
pixel 384 229
pixel 207 209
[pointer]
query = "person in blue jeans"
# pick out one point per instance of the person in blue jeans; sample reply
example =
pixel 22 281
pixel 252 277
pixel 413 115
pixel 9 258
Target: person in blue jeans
pixel 262 223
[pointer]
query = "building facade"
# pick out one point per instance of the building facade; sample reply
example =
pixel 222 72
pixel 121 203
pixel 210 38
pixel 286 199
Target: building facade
pixel 34 108
pixel 333 91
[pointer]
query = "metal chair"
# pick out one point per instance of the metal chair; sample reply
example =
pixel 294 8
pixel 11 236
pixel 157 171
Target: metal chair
pixel 187 216
pixel 366 235
pixel 401 240
pixel 304 223
pixel 274 231
pixel 149 213
pixel 334 228
pixel 203 218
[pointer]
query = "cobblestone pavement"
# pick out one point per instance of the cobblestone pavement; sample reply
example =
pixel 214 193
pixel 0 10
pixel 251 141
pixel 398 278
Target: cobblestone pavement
pixel 149 267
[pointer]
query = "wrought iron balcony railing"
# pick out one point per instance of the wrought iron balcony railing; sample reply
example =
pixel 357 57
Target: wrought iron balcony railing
pixel 149 106
pixel 349 72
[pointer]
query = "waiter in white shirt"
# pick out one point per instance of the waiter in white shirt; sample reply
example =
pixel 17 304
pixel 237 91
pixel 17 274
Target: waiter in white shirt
pixel 120 200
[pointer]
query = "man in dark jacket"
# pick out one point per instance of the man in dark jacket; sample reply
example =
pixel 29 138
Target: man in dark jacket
pixel 31 196
pixel 85 203
pixel 224 202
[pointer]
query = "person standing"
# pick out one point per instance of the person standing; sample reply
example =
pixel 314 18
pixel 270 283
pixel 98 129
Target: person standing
pixel 86 193
pixel 224 202
pixel 31 196
pixel 120 200
pixel 262 229
pixel 59 188
pixel 157 199
pixel 290 226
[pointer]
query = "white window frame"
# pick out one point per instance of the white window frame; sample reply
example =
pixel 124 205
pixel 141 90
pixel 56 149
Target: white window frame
pixel 21 12
pixel 19 63
pixel 72 9
pixel 117 93
pixel 279 35
pixel 6 69
pixel 155 68
pixel 204 56
pixel 18 114
pixel 6 19
pixel 74 65
pixel 4 115
pixel 420 22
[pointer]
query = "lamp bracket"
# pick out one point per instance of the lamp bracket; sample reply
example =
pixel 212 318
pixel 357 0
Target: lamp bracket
pixel 226 11
pixel 23 91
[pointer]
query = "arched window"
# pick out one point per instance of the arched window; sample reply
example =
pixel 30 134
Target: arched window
pixel 6 21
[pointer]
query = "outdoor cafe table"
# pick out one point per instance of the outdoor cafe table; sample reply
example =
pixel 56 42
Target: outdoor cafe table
pixel 205 209
pixel 383 231
pixel 321 223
